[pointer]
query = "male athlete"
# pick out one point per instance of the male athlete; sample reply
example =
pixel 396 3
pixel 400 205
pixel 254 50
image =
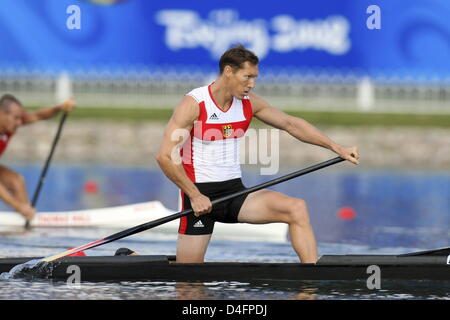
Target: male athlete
pixel 213 119
pixel 13 115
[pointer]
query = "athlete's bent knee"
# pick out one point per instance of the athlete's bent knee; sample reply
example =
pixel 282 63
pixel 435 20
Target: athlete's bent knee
pixel 299 212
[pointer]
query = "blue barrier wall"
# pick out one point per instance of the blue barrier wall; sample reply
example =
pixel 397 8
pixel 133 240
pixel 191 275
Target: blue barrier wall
pixel 322 35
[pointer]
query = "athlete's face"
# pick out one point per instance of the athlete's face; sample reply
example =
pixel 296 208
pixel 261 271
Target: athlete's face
pixel 11 119
pixel 242 80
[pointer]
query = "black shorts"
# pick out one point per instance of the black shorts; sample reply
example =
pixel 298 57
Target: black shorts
pixel 226 212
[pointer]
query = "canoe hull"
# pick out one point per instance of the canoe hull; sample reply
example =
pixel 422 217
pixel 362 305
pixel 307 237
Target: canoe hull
pixel 161 268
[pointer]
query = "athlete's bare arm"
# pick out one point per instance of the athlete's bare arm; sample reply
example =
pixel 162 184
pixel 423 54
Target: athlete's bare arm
pixel 175 134
pixel 299 128
pixel 47 113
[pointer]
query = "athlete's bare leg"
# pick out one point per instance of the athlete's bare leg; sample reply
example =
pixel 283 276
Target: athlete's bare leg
pixel 192 249
pixel 267 206
pixel 14 183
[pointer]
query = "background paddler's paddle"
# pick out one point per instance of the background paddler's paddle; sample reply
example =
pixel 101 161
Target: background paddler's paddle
pixel 46 166
pixel 183 213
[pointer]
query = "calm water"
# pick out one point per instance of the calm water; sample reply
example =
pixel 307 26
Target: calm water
pixel 393 213
pixel 46 242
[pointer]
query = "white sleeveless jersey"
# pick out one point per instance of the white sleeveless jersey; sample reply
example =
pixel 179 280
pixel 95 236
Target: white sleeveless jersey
pixel 211 154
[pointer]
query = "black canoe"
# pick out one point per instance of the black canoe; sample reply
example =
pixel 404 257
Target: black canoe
pixel 425 265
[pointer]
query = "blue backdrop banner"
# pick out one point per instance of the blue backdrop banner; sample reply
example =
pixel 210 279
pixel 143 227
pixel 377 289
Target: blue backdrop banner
pixel 405 38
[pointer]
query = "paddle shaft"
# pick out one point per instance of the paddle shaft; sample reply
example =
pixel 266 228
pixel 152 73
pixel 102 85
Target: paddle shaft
pixel 46 166
pixel 155 223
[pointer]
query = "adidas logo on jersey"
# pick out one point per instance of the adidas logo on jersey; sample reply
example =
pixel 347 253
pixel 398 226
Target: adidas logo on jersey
pixel 214 117
pixel 199 224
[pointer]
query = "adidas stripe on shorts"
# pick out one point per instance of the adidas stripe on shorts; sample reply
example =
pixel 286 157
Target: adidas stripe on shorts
pixel 226 212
